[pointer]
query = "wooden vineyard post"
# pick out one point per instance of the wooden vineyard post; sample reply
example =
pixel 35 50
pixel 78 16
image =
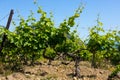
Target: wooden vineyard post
pixel 7 27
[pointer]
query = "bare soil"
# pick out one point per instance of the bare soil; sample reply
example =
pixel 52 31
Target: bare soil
pixel 57 71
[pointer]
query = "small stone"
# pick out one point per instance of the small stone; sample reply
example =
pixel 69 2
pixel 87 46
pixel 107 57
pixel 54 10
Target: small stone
pixel 84 78
pixel 101 72
pixel 74 78
pixel 43 73
pixel 3 78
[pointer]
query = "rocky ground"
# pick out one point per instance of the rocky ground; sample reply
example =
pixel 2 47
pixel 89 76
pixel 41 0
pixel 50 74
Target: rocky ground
pixel 57 71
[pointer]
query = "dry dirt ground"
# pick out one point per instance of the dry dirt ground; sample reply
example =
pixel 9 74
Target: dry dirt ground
pixel 57 72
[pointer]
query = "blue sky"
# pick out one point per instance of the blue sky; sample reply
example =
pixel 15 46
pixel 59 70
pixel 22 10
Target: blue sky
pixel 109 11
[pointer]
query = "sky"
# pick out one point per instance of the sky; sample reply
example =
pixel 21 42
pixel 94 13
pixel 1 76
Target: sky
pixel 108 11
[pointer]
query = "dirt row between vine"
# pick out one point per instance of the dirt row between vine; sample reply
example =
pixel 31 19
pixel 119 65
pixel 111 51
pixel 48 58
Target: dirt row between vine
pixel 57 72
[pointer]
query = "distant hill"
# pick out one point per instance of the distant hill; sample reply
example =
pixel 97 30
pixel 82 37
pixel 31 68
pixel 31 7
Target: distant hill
pixel 2 26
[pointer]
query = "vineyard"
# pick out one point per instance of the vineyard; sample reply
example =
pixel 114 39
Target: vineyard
pixel 34 41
